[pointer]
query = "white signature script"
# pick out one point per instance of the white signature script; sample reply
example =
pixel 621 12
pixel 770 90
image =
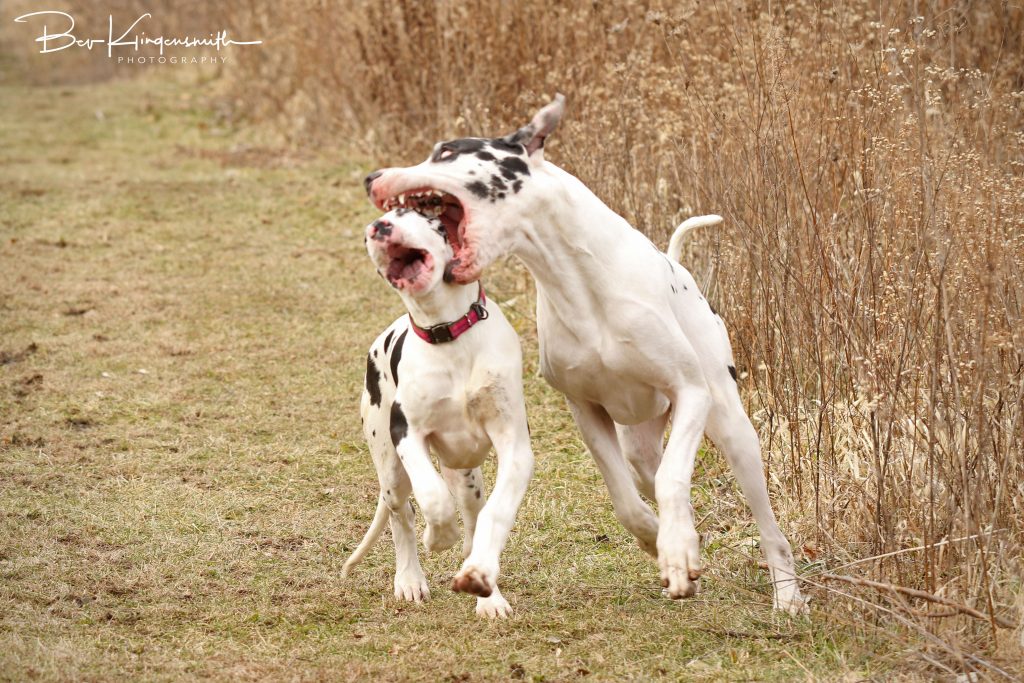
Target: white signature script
pixel 55 42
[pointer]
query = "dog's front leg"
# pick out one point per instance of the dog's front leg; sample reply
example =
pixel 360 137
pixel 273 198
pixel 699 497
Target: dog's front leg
pixel 479 573
pixel 431 493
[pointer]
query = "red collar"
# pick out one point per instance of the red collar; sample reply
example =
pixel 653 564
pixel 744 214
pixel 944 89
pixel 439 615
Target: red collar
pixel 446 332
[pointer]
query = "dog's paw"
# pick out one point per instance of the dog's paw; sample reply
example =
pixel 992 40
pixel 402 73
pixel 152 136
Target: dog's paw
pixel 495 606
pixel 788 599
pixel 680 582
pixel 411 588
pixel 439 537
pixel 472 579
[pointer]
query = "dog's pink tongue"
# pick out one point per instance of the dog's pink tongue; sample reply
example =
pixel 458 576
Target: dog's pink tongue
pixel 411 271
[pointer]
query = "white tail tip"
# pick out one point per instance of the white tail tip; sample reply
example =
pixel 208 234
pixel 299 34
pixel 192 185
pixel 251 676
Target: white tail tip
pixel 675 245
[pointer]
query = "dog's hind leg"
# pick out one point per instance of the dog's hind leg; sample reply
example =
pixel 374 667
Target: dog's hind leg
pixel 599 434
pixel 396 489
pixel 642 444
pixel 678 542
pixel 732 432
pixel 410 583
pixel 467 486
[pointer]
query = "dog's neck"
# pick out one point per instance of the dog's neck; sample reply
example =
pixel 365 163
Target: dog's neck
pixel 444 303
pixel 576 256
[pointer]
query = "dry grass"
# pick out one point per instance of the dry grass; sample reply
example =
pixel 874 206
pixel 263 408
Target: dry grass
pixel 868 164
pixel 868 159
pixel 182 474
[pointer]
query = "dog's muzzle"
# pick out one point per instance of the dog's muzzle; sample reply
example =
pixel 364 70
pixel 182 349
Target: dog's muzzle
pixel 368 181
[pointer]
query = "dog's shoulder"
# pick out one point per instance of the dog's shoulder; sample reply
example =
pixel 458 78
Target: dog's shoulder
pixel 383 360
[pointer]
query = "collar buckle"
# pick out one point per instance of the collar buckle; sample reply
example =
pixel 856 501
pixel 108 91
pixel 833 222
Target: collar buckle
pixel 440 334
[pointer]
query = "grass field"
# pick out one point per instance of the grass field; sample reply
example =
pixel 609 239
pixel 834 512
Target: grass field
pixel 183 319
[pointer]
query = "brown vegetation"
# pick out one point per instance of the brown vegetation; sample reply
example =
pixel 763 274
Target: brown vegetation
pixel 867 158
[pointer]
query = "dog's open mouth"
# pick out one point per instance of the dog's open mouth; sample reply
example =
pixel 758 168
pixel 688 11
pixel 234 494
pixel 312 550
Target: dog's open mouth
pixel 406 266
pixel 437 204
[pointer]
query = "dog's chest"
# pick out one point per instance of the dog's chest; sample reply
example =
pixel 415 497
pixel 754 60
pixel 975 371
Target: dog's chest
pixel 623 383
pixel 452 410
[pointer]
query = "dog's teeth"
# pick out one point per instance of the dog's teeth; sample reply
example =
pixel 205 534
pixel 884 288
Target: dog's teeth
pixel 401 200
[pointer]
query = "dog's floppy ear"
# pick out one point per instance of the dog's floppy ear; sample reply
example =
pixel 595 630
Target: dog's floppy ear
pixel 543 124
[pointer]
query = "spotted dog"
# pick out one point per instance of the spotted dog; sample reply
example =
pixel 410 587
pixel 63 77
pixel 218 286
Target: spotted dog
pixel 445 379
pixel 624 331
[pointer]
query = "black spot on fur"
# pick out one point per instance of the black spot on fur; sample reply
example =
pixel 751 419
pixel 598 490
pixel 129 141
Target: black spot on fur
pixel 478 493
pixel 517 185
pixel 387 340
pixel 506 145
pixel 399 426
pixel 485 156
pixel 497 183
pixel 515 166
pixel 456 148
pixel 396 355
pixel 372 381
pixel 674 290
pixel 732 371
pixel 478 188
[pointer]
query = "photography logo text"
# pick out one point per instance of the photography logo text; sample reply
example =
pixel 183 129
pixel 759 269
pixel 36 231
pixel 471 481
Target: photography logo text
pixel 125 44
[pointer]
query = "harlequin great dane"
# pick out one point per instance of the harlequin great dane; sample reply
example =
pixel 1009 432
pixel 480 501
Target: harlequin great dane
pixel 624 333
pixel 460 393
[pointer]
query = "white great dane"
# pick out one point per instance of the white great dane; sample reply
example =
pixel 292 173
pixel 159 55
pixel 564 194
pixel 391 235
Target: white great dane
pixel 624 333
pixel 460 393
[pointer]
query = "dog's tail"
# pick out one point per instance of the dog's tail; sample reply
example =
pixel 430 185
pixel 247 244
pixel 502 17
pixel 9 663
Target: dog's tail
pixel 675 245
pixel 380 519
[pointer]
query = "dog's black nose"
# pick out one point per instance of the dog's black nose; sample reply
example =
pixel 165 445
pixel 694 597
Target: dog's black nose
pixel 369 180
